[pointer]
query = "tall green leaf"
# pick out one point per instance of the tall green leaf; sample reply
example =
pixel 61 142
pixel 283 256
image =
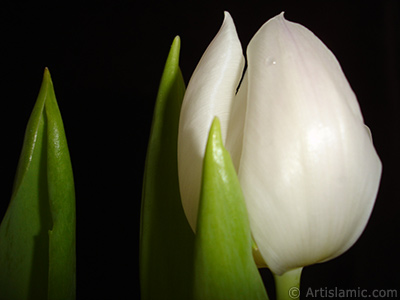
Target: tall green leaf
pixel 224 264
pixel 166 241
pixel 37 233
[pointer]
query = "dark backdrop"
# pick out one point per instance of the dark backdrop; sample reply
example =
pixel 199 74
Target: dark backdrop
pixel 106 61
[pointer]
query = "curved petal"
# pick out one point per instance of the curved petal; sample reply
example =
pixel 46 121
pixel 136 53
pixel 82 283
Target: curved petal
pixel 308 169
pixel 234 136
pixel 209 94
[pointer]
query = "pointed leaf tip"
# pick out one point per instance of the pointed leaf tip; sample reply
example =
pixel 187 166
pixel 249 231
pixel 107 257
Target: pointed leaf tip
pixel 166 240
pixel 176 42
pixel 224 265
pixel 37 234
pixel 46 75
pixel 215 131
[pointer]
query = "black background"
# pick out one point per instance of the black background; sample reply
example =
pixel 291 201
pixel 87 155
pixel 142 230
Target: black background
pixel 106 60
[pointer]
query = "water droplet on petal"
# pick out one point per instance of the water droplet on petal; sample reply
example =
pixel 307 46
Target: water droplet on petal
pixel 270 61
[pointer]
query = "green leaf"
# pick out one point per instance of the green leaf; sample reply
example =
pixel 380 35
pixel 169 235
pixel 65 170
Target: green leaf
pixel 166 241
pixel 37 233
pixel 224 264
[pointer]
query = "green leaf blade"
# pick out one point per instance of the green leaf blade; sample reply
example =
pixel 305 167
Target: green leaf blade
pixel 61 193
pixel 224 264
pixel 26 258
pixel 23 231
pixel 166 240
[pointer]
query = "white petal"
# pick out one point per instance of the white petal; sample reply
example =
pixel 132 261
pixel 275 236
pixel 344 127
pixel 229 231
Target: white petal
pixel 308 169
pixel 234 136
pixel 209 94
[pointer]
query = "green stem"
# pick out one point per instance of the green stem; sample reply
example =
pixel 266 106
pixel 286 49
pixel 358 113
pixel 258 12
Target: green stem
pixel 288 285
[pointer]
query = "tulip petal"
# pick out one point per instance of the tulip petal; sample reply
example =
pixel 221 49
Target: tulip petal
pixel 308 169
pixel 234 137
pixel 209 93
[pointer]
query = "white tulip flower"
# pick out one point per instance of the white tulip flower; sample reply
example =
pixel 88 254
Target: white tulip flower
pixel 305 160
